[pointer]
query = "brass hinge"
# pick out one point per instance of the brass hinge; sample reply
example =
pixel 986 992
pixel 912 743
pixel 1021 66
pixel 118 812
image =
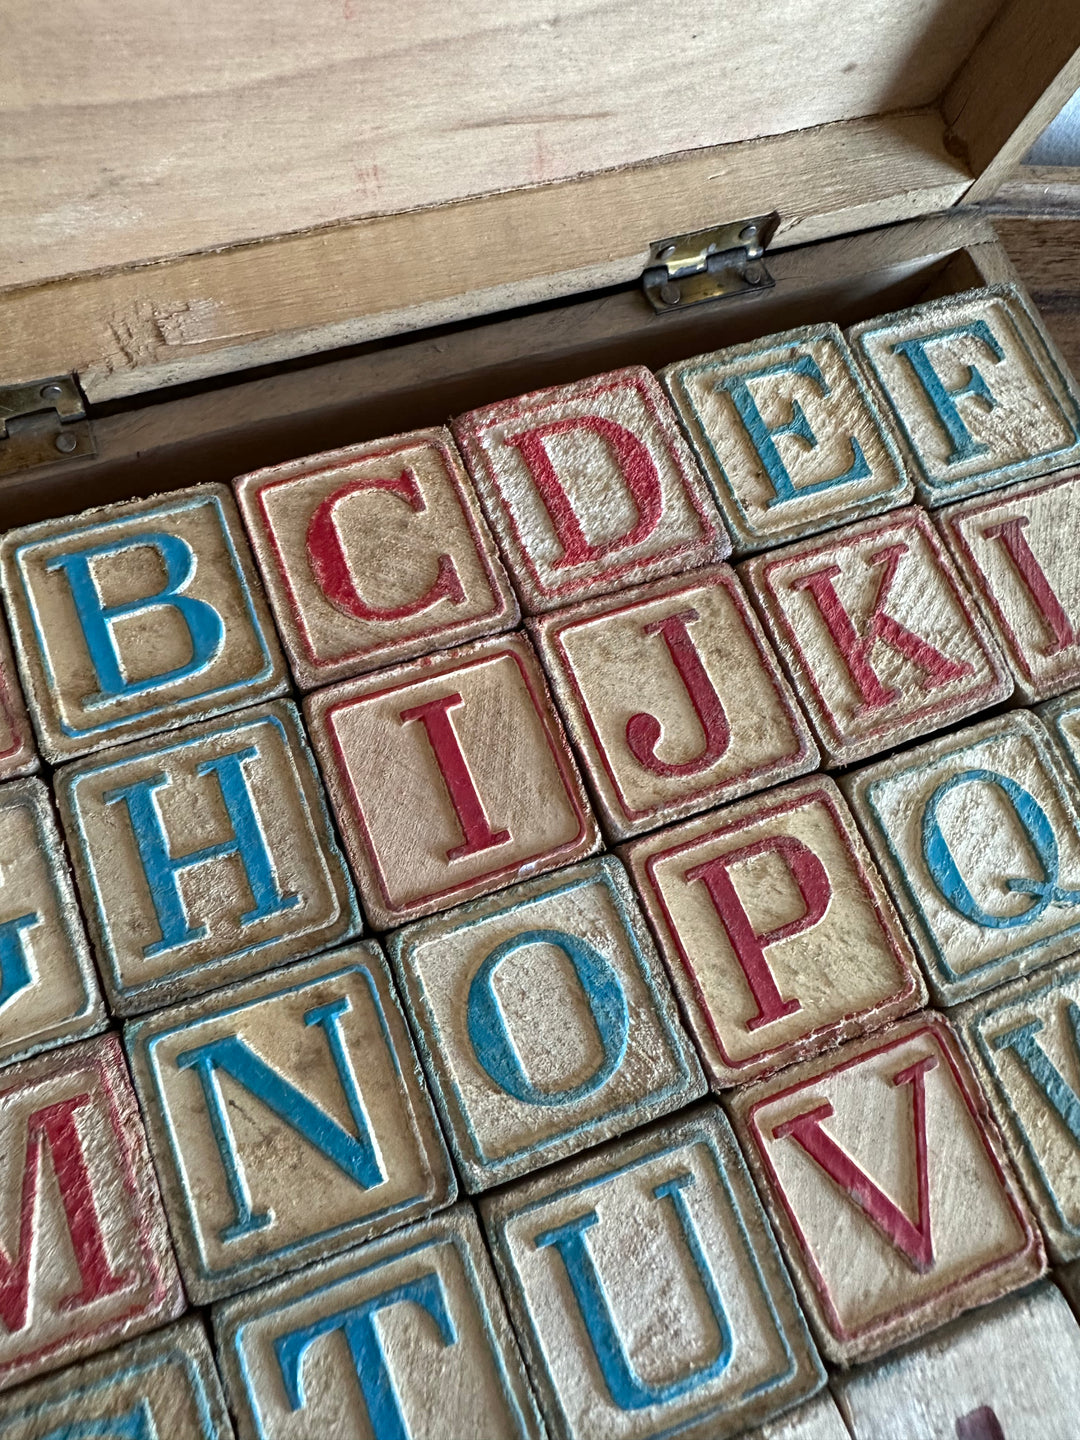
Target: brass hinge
pixel 43 421
pixel 709 264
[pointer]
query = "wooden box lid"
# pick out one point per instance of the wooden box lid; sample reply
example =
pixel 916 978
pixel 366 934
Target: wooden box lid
pixel 194 189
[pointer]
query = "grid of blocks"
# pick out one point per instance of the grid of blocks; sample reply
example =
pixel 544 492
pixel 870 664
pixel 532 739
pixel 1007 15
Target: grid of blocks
pixel 567 924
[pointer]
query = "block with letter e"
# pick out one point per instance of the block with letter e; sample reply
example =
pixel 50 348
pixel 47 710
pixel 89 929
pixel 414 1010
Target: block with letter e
pixel 889 1188
pixel 978 392
pixel 136 618
pixel 374 554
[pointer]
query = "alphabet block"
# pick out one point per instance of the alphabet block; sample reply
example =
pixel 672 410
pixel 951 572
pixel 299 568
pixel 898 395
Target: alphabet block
pixel 1062 718
pixel 978 837
pixel 137 617
pixel 450 777
pixel 787 435
pixel 673 698
pixel 204 856
pixel 1026 580
pixel 86 1259
pixel 817 1420
pixel 48 985
pixel 162 1385
pixel 647 1291
pixel 373 555
pixel 17 753
pixel 777 930
pixel 880 637
pixel 888 1187
pixel 287 1120
pixel 979 394
pixel 1009 1373
pixel 544 1021
pixel 403 1336
pixel 590 487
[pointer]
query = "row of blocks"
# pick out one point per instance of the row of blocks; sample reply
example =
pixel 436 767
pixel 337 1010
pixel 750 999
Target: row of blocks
pixel 287 1116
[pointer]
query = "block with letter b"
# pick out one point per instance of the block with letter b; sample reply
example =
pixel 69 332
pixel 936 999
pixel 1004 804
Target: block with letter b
pixel 979 395
pixel 137 617
pixel 204 855
pixel 590 487
pixel 888 1186
pixel 788 435
pixel 374 554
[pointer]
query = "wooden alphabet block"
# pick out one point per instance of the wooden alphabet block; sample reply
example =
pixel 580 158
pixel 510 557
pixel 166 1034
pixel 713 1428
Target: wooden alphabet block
pixel 287 1120
pixel 161 1385
pixel 204 856
pixel 1010 1372
pixel 48 985
pixel 647 1291
pixel 137 617
pixel 373 555
pixel 1062 718
pixel 819 1419
pixel 404 1336
pixel 590 487
pixel 880 637
pixel 887 1184
pixel 979 395
pixel 788 436
pixel 17 753
pixel 777 930
pixel 978 837
pixel 1024 573
pixel 450 777
pixel 544 1021
pixel 86 1258
pixel 673 698
pixel 1024 1041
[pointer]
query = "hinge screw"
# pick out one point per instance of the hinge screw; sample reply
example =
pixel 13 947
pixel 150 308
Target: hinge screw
pixel 66 442
pixel 754 273
pixel 670 294
pixel 51 392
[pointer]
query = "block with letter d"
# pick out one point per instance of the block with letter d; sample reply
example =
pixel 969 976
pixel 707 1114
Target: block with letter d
pixel 137 617
pixel 204 855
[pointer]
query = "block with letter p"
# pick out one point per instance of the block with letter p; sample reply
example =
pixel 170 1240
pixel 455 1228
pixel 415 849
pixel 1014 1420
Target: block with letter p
pixel 137 617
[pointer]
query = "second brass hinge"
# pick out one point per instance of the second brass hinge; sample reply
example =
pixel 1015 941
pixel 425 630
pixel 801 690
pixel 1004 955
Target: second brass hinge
pixel 709 264
pixel 42 421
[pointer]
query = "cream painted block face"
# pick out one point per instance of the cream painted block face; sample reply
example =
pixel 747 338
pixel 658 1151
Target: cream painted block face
pixel 404 1336
pixel 544 1021
pixel 788 435
pixel 777 930
pixel 979 396
pixel 673 698
pixel 647 1290
pixel 374 554
pixel 449 777
pixel 590 487
pixel 978 836
pixel 886 1181
pixel 287 1120
pixel 817 1420
pixel 136 618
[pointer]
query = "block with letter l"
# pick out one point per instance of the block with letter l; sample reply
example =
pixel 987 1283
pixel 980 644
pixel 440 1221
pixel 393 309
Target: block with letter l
pixel 137 617
pixel 204 855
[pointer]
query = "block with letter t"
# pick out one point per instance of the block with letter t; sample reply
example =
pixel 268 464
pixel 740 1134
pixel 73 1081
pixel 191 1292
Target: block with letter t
pixel 137 617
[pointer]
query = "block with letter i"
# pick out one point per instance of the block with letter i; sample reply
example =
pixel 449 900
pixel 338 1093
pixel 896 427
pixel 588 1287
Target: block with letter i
pixel 647 1291
pixel 880 637
pixel 788 435
pixel 287 1119
pixel 450 777
pixel 404 1336
pixel 590 487
pixel 778 932
pixel 887 1183
pixel 374 554
pixel 204 855
pixel 137 617
pixel 977 390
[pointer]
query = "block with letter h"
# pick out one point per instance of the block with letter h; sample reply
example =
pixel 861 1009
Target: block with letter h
pixel 204 855
pixel 979 394
pixel 404 1336
pixel 137 617
pixel 287 1119
pixel 544 1021
pixel 590 487
pixel 374 555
